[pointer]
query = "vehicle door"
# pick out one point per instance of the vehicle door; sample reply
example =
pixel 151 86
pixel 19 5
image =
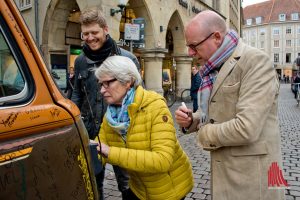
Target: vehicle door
pixel 43 143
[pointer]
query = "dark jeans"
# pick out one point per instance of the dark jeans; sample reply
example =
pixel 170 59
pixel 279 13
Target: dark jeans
pixel 129 195
pixel 122 180
pixel 195 104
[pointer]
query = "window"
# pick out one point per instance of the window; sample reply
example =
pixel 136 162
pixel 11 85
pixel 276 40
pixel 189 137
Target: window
pixel 249 22
pixel 295 16
pixel 258 20
pixel 288 58
pixel 13 70
pixel 281 17
pixel 262 44
pixel 288 30
pixel 252 44
pixel 276 58
pixel 24 4
pixel 276 43
pixel 298 30
pixel 11 80
pixel 288 43
pixel 276 31
pixel 245 35
pixel 253 34
pixel 298 42
pixel 262 31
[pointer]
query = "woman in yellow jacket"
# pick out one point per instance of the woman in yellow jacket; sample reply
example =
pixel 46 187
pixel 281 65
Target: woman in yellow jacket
pixel 138 135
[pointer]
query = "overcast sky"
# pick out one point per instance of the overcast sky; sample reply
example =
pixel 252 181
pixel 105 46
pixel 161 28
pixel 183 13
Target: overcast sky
pixel 250 2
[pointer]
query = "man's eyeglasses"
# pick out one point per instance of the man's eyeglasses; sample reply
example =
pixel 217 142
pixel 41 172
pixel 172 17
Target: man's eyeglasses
pixel 194 46
pixel 106 84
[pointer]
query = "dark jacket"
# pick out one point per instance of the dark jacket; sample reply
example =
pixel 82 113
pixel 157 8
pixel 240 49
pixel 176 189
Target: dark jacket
pixel 295 87
pixel 297 79
pixel 70 86
pixel 86 94
pixel 196 81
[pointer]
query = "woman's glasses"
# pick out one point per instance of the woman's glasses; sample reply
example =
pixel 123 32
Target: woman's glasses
pixel 106 84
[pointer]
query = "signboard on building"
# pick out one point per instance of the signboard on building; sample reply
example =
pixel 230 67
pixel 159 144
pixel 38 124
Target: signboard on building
pixel 141 42
pixel 132 32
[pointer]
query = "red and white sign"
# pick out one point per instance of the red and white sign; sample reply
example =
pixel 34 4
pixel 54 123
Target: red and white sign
pixel 275 177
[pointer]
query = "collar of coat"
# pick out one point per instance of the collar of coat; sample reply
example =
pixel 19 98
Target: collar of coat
pixel 228 66
pixel 142 99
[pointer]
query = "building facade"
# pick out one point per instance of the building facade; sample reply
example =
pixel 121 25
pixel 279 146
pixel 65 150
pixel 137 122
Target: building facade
pixel 274 27
pixel 54 25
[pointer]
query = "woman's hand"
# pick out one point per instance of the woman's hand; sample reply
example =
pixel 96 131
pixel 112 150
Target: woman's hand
pixel 104 150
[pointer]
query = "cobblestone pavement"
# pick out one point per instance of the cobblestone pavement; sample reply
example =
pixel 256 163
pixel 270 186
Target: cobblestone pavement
pixel 289 116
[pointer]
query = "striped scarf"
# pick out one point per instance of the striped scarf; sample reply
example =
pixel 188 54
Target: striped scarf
pixel 117 116
pixel 209 71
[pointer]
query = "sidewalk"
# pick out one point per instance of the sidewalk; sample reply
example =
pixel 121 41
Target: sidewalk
pixel 289 116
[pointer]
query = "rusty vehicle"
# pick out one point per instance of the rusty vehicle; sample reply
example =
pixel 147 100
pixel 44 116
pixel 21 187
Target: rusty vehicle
pixel 44 147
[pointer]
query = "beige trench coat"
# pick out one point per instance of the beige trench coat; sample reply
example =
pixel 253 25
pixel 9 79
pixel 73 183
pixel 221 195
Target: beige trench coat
pixel 242 132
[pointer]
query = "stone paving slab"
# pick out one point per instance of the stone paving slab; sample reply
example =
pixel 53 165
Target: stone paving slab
pixel 289 117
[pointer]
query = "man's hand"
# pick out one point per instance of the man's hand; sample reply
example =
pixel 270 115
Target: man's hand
pixel 183 116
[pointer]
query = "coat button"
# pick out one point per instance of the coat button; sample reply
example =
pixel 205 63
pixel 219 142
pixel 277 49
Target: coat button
pixel 212 121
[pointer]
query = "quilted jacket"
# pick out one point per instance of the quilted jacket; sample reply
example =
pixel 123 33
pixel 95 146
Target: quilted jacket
pixel 152 155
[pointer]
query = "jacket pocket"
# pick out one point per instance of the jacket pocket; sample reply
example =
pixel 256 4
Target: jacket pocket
pixel 250 150
pixel 231 88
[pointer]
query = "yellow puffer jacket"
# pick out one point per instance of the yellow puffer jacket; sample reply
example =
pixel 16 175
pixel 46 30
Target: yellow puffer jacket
pixel 158 167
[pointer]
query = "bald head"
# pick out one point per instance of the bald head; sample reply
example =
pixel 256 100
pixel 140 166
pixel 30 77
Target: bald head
pixel 204 34
pixel 208 21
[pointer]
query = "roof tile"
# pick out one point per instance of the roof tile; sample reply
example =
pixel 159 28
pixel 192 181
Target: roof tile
pixel 270 10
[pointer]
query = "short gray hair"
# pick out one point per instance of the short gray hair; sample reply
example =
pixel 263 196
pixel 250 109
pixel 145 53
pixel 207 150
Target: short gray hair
pixel 121 68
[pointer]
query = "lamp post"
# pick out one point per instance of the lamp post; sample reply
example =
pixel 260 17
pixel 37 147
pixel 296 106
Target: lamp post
pixel 121 5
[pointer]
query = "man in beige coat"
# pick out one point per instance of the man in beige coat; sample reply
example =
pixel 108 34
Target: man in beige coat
pixel 237 117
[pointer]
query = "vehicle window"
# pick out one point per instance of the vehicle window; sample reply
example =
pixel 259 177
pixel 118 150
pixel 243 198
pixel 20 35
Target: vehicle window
pixel 11 80
pixel 13 85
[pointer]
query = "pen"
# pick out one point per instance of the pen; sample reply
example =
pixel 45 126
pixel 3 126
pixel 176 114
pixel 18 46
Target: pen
pixel 188 113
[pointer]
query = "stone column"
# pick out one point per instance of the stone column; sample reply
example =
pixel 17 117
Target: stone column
pixel 153 60
pixel 183 73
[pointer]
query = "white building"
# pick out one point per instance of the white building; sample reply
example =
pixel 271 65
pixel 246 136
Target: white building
pixel 274 27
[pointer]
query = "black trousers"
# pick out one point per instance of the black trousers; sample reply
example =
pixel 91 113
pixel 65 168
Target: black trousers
pixel 129 195
pixel 122 180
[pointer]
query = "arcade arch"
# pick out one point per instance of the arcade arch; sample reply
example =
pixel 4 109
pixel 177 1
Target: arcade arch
pixel 61 38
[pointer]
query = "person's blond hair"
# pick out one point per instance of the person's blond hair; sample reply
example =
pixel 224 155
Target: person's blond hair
pixel 92 15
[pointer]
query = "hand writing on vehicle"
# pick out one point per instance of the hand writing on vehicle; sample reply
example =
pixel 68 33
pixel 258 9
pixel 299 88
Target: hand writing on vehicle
pixel 183 116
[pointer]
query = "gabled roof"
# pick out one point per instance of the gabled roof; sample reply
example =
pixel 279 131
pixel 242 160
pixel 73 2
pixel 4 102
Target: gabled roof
pixel 270 10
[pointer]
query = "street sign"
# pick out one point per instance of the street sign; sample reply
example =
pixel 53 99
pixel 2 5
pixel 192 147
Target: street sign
pixel 132 32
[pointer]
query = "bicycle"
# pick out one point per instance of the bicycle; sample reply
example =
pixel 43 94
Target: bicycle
pixel 169 95
pixel 185 96
pixel 297 90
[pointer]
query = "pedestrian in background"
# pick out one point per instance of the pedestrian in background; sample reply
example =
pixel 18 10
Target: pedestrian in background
pixel 296 80
pixel 70 83
pixel 237 119
pixel 138 135
pixel 196 80
pixel 98 45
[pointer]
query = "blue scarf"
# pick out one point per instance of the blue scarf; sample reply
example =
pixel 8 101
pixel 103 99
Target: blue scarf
pixel 117 116
pixel 209 71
